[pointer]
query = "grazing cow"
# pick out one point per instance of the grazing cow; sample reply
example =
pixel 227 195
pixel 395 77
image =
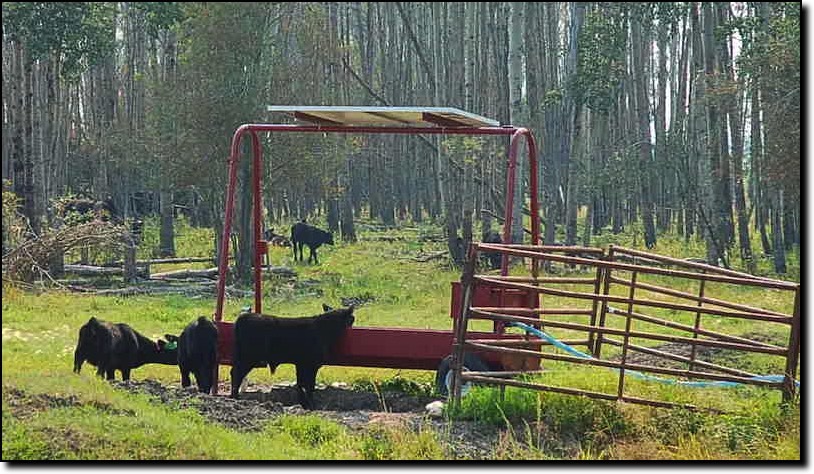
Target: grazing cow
pixel 304 234
pixel 275 239
pixel 197 352
pixel 494 258
pixel 117 346
pixel 305 342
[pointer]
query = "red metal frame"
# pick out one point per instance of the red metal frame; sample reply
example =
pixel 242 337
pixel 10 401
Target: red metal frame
pixel 375 347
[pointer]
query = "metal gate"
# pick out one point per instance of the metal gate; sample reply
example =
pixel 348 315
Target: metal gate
pixel 610 319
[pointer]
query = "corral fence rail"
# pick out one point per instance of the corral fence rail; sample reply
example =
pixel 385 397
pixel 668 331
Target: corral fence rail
pixel 673 317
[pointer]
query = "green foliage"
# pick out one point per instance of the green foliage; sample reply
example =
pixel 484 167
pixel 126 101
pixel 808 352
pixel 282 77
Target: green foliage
pixel 601 61
pixel 310 430
pixel 396 383
pixel 464 146
pixel 81 33
pixel 377 445
pixel 552 98
pixel 771 56
pixel 582 417
pixel 13 222
pixel 23 443
pixel 160 15
pixel 576 417
pixel 387 444
pixel 485 405
pixel 669 426
pixel 189 241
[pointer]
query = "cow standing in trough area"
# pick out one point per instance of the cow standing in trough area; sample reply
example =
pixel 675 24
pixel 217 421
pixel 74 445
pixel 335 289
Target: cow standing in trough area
pixel 304 234
pixel 117 346
pixel 305 342
pixel 197 352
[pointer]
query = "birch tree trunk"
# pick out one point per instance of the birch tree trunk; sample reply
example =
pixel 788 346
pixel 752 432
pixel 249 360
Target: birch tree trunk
pixel 517 111
pixel 640 46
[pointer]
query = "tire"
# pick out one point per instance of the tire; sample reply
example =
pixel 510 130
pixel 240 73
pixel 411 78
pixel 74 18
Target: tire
pixel 471 363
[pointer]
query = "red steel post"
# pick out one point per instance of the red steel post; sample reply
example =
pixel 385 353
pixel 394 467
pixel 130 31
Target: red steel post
pixel 258 222
pixel 509 211
pixel 533 187
pixel 223 265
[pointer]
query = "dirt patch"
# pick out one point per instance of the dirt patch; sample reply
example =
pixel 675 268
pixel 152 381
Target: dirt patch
pixel 24 405
pixel 724 357
pixel 356 409
pixel 702 353
pixel 357 301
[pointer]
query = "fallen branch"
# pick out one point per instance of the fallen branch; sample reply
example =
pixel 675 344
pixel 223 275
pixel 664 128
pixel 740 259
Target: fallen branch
pixel 500 219
pixel 210 273
pixel 280 271
pixel 32 257
pixel 163 290
pixel 385 238
pixel 170 260
pixel 432 256
pixel 90 270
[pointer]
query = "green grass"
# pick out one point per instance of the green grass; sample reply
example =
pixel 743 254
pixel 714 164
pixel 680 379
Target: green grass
pixel 39 336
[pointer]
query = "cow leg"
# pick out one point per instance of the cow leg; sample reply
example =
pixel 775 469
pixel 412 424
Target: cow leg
pixel 238 373
pixel 125 374
pixel 111 374
pixel 77 362
pixel 306 382
pixel 185 381
pixel 100 371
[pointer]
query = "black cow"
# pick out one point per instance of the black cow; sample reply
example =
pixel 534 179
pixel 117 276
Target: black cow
pixel 304 234
pixel 305 342
pixel 494 258
pixel 197 352
pixel 117 346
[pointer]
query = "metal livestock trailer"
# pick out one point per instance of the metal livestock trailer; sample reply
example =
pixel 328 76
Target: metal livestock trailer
pixel 388 347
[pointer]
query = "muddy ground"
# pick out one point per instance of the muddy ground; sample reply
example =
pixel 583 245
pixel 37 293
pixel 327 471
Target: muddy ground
pixel 356 409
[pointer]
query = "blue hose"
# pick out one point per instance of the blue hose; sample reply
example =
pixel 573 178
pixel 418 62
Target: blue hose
pixel 686 383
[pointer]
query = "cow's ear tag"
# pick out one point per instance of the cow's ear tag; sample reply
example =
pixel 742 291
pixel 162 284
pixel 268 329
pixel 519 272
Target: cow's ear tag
pixel 171 345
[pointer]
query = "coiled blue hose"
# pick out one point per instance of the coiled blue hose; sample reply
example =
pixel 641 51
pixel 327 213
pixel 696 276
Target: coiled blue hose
pixel 686 383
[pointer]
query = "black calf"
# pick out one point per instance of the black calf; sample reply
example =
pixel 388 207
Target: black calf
pixel 112 347
pixel 304 234
pixel 305 342
pixel 197 352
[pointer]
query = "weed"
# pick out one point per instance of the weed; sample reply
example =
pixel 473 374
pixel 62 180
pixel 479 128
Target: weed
pixel 377 445
pixel 310 430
